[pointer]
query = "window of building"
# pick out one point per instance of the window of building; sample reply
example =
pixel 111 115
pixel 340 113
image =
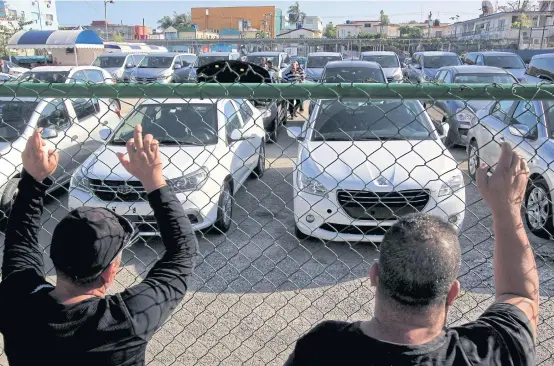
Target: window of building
pixel 502 24
pixel 438 34
pixel 367 25
pixel 50 17
pixel 12 13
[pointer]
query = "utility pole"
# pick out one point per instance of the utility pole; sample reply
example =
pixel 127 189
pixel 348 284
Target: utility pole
pixel 429 20
pixel 106 15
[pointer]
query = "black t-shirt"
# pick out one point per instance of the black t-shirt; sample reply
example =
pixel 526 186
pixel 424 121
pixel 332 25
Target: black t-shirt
pixel 502 336
pixel 98 331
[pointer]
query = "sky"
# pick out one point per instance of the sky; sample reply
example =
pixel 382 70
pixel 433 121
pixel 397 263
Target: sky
pixel 132 12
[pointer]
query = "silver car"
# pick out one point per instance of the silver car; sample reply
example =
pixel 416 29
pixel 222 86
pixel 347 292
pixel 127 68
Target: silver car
pixel 529 127
pixel 121 66
pixel 159 67
pixel 390 63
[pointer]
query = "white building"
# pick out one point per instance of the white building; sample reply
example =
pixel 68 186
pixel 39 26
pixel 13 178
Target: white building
pixel 309 22
pixel 299 33
pixel 351 29
pixel 505 26
pixel 40 13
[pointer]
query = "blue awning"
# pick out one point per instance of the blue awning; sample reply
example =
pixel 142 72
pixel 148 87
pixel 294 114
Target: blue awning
pixel 55 39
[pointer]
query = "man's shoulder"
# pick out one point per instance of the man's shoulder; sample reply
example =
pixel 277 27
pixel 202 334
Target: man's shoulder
pixel 329 330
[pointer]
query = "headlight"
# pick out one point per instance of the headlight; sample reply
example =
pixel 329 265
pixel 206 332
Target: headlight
pixel 310 185
pixel 452 185
pixel 190 182
pixel 398 77
pixel 79 180
pixel 463 115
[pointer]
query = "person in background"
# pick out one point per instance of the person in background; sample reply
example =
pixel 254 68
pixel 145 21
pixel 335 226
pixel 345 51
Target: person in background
pixel 416 285
pixel 263 63
pixel 295 74
pixel 76 321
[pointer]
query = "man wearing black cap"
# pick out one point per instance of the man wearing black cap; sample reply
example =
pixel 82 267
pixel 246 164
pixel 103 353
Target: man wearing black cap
pixel 76 322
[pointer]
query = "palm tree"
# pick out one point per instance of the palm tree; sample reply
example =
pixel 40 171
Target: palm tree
pixel 295 15
pixel 182 20
pixel 165 22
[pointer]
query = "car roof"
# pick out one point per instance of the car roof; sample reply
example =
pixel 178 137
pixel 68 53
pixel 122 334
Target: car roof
pixel 353 63
pixel 325 54
pixel 217 53
pixel 169 54
pixel 64 68
pixel 384 53
pixel 494 53
pixel 475 69
pixel 543 55
pixel 24 99
pixel 265 53
pixel 121 53
pixel 436 53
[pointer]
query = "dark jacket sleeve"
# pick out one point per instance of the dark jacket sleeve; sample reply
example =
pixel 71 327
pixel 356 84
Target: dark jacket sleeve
pixel 153 300
pixel 23 261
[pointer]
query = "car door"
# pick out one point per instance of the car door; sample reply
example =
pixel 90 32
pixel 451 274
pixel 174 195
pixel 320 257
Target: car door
pixel 494 127
pixel 239 150
pixel 55 117
pixel 250 126
pixel 440 110
pixel 88 118
pixel 527 113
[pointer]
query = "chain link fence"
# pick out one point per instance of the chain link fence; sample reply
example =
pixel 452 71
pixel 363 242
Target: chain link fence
pixel 289 206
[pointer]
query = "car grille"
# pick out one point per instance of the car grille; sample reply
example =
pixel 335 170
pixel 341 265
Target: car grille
pixel 367 205
pixel 118 190
pixel 390 79
pixel 145 80
pixel 354 229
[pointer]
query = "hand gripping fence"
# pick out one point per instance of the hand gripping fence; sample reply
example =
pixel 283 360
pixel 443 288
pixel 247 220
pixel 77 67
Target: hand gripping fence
pixel 289 209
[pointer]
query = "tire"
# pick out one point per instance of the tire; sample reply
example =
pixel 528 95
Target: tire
pixel 259 171
pixel 299 234
pixel 538 209
pixel 274 134
pixel 285 116
pixel 473 161
pixel 224 213
pixel 6 201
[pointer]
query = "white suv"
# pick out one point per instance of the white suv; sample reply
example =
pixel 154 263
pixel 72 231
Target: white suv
pixel 208 148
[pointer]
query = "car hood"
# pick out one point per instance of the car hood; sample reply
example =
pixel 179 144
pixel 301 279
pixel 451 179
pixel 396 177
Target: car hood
pixel 474 105
pixel 390 72
pixel 415 164
pixel 151 73
pixel 518 73
pixel 430 72
pixel 315 73
pixel 177 161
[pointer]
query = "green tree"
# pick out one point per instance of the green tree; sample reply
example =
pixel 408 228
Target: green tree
pixel 410 32
pixel 330 31
pixel 295 15
pixel 517 5
pixel 165 22
pixel 118 37
pixel 437 23
pixel 412 22
pixel 6 32
pixel 177 20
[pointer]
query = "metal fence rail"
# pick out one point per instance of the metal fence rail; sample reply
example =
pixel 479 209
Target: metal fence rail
pixel 302 237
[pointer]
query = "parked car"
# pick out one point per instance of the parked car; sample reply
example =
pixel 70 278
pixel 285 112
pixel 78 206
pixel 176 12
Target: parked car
pixel 361 164
pixel 158 67
pixel 183 74
pixel 210 57
pixel 460 114
pixel 280 60
pixel 424 65
pixel 13 69
pixel 315 63
pixel 121 66
pixel 70 126
pixel 506 60
pixel 529 127
pixel 390 63
pixel 541 69
pixel 4 78
pixel 351 72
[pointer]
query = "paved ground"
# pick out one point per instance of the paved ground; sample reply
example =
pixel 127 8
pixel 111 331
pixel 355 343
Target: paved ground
pixel 256 290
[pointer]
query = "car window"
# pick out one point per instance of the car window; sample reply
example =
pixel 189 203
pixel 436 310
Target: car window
pixel 440 76
pixel 543 67
pixel 233 118
pixel 287 59
pixel 502 109
pixel 95 76
pixel 54 115
pixel 244 110
pixel 479 60
pixel 14 116
pixel 85 107
pixel 137 59
pixel 353 75
pixel 79 77
pixel 504 61
pixel 526 114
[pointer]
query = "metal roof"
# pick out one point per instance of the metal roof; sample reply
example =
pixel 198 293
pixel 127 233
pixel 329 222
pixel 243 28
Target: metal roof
pixel 353 63
pixel 55 39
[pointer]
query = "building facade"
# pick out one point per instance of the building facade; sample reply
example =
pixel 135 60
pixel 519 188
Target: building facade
pixel 309 22
pixel 264 18
pixel 300 33
pixel 351 29
pixel 39 14
pixel 128 32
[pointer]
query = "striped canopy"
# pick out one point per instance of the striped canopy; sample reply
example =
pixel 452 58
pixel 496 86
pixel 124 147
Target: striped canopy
pixel 130 47
pixel 55 39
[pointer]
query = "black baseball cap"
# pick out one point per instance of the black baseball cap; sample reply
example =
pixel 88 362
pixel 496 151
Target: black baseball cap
pixel 87 241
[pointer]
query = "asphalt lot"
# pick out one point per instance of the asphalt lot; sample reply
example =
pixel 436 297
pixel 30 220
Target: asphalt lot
pixel 256 290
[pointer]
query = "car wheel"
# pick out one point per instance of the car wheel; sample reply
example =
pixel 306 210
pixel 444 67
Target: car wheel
pixel 225 209
pixel 259 171
pixel 473 161
pixel 538 209
pixel 274 134
pixel 6 201
pixel 299 234
pixel 284 116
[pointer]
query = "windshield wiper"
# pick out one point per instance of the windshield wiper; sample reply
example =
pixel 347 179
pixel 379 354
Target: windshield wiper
pixel 384 138
pixel 178 142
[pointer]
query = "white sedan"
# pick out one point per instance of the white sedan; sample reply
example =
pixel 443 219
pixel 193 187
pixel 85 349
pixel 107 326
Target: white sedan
pixel 208 150
pixel 362 164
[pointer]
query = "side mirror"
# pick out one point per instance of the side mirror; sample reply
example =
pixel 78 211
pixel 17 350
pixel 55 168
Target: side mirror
pixel 105 133
pixel 129 66
pixel 49 133
pixel 296 133
pixel 236 135
pixel 177 66
pixel 520 130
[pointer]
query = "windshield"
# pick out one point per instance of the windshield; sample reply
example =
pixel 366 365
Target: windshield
pixel 549 112
pixel 109 61
pixel 386 61
pixel 376 120
pixel 188 60
pixel 258 59
pixel 436 62
pixel 319 62
pixel 14 117
pixel 505 62
pixel 156 62
pixel 205 60
pixel 484 79
pixel 56 77
pixel 171 124
pixel 353 75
